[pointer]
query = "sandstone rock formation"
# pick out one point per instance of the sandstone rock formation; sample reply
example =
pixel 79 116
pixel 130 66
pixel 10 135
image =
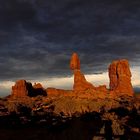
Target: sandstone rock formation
pixel 80 82
pixel 120 77
pixel 38 90
pixel 102 88
pixel 20 89
pixel 23 89
pixel 120 83
pixel 37 86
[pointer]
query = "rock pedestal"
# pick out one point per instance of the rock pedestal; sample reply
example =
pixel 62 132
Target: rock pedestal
pixel 80 82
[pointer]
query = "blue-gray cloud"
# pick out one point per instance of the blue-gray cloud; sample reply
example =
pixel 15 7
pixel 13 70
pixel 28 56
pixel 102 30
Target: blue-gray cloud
pixel 37 38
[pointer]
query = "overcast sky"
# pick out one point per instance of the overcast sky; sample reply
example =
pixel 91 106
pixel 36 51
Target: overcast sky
pixel 37 38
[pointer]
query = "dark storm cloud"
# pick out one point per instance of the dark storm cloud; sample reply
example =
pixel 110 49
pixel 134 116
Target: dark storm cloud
pixel 37 38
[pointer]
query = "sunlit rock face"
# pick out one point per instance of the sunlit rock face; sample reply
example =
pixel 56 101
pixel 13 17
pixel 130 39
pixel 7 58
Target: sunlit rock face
pixel 20 88
pixel 80 82
pixel 37 86
pixel 120 77
pixel 58 92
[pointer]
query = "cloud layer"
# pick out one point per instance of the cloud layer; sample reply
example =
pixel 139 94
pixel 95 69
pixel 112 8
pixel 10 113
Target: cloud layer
pixel 37 38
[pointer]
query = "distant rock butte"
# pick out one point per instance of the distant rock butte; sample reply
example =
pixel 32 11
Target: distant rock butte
pixel 20 88
pixel 120 83
pixel 23 88
pixel 120 77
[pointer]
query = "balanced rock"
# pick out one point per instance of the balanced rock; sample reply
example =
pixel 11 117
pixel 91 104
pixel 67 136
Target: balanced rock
pixel 20 89
pixel 80 82
pixel 74 62
pixel 120 77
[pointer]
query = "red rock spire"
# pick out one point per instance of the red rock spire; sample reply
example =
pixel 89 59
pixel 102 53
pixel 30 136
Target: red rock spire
pixel 80 82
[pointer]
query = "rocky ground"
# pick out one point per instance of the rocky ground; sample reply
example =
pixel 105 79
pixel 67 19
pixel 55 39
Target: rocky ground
pixel 66 115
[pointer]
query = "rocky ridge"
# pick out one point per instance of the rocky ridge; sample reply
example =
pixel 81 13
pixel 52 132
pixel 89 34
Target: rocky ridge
pixel 120 83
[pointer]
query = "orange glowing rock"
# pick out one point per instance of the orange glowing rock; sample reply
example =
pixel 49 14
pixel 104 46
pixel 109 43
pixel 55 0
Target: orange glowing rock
pixel 23 88
pixel 20 89
pixel 74 62
pixel 120 83
pixel 120 77
pixel 80 82
pixel 37 86
pixel 58 92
